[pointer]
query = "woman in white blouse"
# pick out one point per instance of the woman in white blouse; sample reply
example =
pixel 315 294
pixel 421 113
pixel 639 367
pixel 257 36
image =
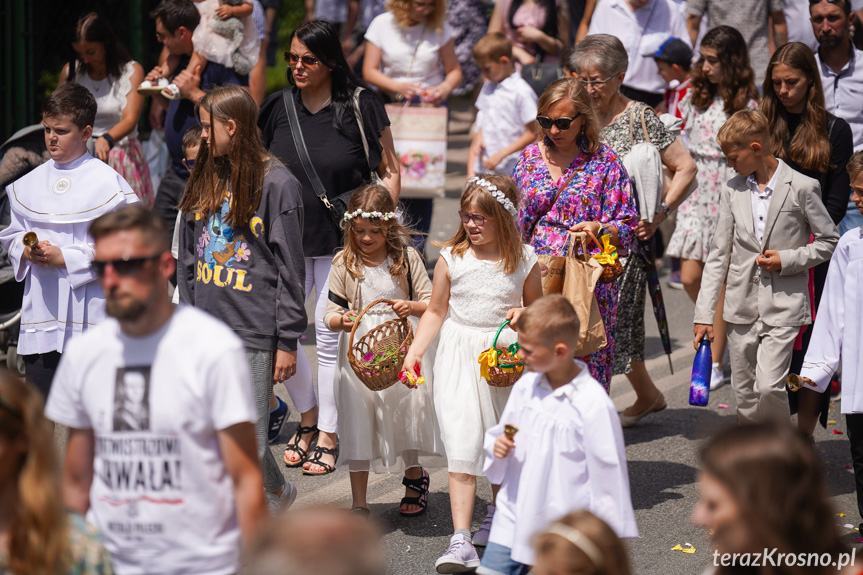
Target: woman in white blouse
pixel 103 66
pixel 410 53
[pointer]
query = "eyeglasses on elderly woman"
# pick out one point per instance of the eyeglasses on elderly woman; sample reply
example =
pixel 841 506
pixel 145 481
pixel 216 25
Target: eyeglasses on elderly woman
pixel 562 124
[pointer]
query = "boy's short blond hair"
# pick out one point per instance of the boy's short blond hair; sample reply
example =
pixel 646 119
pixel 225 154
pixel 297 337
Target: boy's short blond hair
pixel 855 164
pixel 492 47
pixel 551 319
pixel 743 128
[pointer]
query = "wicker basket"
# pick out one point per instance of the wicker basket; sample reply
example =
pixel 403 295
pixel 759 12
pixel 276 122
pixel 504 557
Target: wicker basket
pixel 378 357
pixel 509 368
pixel 609 272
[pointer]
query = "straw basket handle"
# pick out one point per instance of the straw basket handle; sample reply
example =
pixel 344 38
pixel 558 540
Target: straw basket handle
pixel 494 343
pixel 361 314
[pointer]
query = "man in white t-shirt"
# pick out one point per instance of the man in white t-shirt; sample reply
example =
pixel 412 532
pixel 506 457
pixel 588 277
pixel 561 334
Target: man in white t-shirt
pixel 161 453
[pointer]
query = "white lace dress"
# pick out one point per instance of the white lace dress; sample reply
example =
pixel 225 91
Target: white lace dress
pixel 383 431
pixel 466 406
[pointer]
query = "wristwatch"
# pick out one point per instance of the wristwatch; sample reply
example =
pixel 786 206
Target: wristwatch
pixel 108 138
pixel 664 207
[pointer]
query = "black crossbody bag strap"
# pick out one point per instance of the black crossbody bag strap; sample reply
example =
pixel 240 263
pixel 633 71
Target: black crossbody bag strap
pixel 300 145
pixel 410 277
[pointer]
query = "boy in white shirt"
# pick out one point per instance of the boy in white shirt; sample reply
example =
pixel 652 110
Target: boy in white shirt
pixel 506 110
pixel 568 451
pixel 56 202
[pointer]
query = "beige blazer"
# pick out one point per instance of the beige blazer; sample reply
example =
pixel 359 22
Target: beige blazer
pixel 344 286
pixel 777 298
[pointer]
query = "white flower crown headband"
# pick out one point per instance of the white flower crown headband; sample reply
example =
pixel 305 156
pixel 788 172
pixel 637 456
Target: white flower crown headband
pixel 494 191
pixel 376 215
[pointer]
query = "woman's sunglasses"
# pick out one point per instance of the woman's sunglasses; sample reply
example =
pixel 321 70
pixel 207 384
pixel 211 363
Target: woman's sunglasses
pixel 562 124
pixel 308 61
pixel 122 267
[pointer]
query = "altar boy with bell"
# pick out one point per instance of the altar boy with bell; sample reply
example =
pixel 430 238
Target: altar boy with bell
pixel 47 239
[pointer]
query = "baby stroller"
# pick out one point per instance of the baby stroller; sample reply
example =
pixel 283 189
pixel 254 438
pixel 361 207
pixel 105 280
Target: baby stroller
pixel 21 153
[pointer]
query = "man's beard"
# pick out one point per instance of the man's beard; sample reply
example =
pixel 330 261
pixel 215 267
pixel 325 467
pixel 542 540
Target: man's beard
pixel 830 40
pixel 125 312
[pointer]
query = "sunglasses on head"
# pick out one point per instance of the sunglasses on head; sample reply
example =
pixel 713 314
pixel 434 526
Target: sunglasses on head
pixel 308 61
pixel 122 267
pixel 562 124
pixel 828 1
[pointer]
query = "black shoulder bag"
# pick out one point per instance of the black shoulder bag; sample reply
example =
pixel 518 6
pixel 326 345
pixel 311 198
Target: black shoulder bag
pixel 338 205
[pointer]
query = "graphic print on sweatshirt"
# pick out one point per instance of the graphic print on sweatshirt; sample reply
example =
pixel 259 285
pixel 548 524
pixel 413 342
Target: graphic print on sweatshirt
pixel 222 248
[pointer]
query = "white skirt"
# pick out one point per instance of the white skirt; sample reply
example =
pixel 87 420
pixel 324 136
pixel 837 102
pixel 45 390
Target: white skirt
pixel 465 404
pixel 384 431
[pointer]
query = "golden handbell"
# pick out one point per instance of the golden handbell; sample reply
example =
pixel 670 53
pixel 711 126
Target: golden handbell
pixel 510 431
pixel 795 382
pixel 30 239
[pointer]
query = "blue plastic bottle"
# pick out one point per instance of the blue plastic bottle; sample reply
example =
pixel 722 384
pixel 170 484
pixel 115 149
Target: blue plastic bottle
pixel 699 387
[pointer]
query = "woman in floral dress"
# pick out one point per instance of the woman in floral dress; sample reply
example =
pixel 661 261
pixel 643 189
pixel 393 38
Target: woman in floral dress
pixel 595 193
pixel 600 62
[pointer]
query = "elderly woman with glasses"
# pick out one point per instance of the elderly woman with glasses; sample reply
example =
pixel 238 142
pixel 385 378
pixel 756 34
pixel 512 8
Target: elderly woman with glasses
pixel 599 63
pixel 322 92
pixel 570 181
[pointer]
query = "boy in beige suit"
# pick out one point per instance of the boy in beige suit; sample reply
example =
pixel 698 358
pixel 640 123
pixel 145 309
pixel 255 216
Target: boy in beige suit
pixel 762 253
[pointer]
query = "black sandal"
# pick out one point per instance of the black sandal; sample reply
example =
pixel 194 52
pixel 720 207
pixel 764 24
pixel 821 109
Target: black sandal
pixel 294 445
pixel 315 459
pixel 421 486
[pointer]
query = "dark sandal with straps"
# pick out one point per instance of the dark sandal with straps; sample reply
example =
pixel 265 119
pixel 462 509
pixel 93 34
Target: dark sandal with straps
pixel 315 459
pixel 421 486
pixel 294 445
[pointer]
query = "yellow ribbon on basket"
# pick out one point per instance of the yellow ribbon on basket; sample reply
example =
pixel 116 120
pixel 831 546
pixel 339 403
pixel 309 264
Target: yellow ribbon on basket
pixel 487 360
pixel 608 255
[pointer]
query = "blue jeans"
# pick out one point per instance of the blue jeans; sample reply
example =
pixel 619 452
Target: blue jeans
pixel 852 219
pixel 496 560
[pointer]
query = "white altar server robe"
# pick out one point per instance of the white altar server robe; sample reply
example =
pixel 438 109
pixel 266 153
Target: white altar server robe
pixel 59 202
pixel 836 335
pixel 568 455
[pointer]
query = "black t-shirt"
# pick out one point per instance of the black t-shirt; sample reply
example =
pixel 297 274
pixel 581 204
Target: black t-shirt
pixel 835 183
pixel 338 157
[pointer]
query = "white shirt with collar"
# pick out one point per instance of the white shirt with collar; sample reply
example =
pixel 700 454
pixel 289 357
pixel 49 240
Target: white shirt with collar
pixel 761 201
pixel 504 110
pixel 568 455
pixel 843 93
pixel 641 32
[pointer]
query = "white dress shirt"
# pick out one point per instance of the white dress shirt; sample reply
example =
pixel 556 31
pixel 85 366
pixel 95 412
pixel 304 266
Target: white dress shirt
pixel 843 93
pixel 761 202
pixel 568 455
pixel 504 110
pixel 641 32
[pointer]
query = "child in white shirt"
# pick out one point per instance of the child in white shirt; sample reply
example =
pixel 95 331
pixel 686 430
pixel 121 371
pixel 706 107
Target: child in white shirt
pixel 506 110
pixel 568 451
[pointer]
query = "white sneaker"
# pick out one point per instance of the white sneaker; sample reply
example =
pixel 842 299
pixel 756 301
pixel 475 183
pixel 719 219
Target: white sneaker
pixel 480 538
pixel 460 556
pixel 717 378
pixel 276 503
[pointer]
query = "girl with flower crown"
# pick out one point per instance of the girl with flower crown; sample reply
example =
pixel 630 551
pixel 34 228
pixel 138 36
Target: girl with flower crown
pixel 483 275
pixel 392 430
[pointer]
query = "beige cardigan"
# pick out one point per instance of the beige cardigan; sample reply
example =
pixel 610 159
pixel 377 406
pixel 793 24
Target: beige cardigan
pixel 343 285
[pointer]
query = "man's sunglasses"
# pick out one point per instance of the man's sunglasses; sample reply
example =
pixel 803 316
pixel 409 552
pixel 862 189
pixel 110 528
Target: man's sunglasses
pixel 122 267
pixel 811 2
pixel 308 61
pixel 562 124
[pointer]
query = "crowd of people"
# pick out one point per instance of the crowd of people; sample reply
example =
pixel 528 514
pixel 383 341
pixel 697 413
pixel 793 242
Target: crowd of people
pixel 157 319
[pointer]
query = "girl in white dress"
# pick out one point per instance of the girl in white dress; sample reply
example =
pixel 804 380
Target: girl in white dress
pixel 483 274
pixel 393 430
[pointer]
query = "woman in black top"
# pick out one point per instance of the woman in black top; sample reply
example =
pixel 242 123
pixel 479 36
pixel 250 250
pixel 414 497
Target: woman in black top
pixel 817 144
pixel 322 90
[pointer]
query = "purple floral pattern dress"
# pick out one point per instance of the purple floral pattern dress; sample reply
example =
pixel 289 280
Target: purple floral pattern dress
pixel 599 191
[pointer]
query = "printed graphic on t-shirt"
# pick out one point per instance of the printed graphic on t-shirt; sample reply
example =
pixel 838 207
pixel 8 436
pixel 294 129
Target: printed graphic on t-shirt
pixel 221 248
pixel 132 399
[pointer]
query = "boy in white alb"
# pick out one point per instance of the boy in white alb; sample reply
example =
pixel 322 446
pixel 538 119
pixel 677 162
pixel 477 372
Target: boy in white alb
pixel 567 452
pixel 506 110
pixel 161 453
pixel 56 202
pixel 836 335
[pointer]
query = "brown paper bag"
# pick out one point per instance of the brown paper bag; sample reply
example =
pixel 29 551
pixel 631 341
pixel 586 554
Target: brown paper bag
pixel 581 273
